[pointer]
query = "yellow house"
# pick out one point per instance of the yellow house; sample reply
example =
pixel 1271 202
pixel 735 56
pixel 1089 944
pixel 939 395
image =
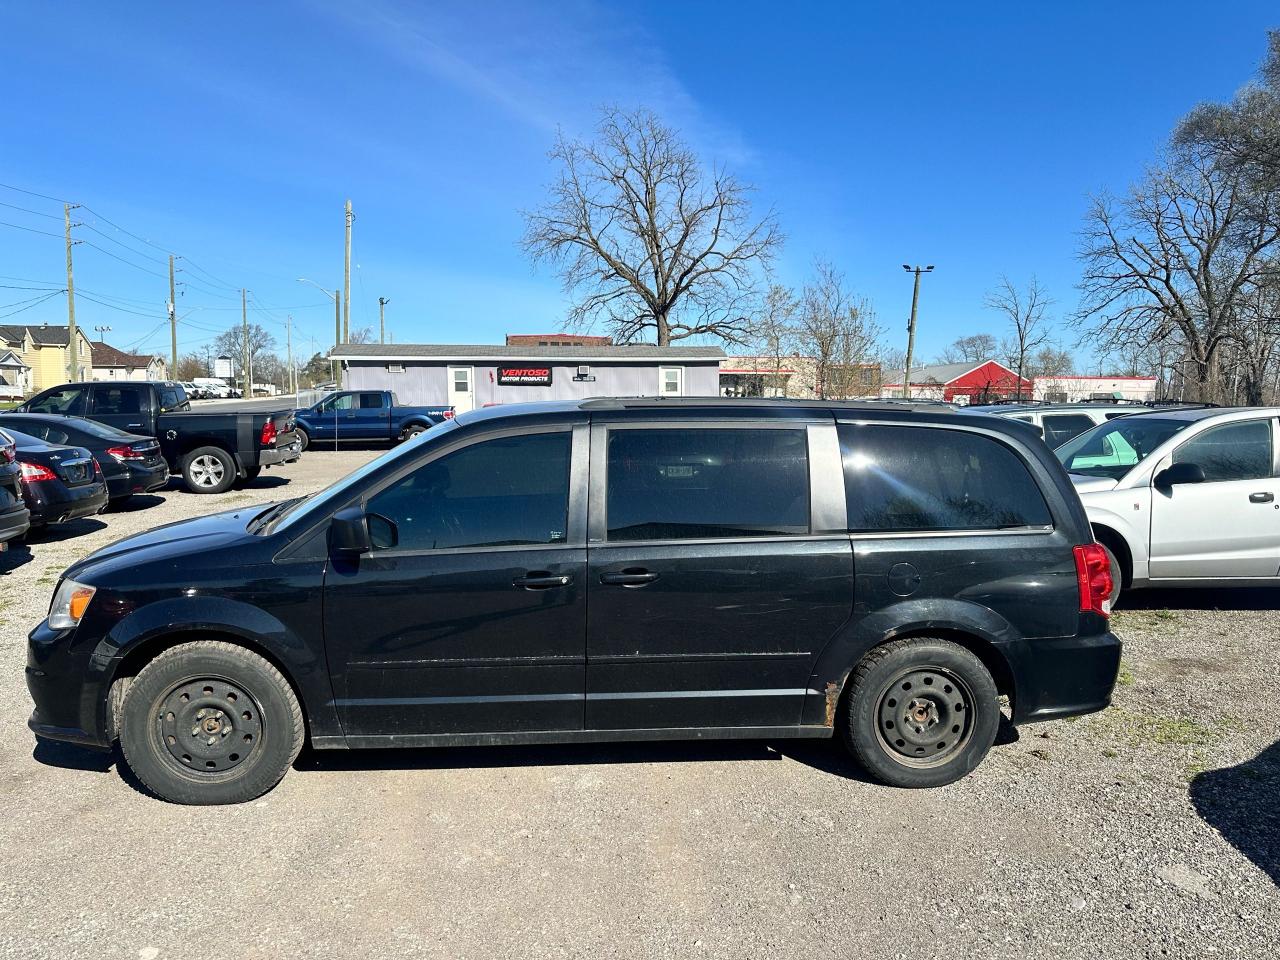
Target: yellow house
pixel 44 350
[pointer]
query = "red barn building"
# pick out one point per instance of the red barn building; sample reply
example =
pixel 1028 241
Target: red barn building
pixel 964 383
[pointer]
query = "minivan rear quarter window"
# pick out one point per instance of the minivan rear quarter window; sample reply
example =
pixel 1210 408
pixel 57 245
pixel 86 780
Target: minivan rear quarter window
pixel 696 483
pixel 901 479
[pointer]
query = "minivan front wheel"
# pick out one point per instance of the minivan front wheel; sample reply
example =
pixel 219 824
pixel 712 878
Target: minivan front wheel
pixel 210 722
pixel 920 712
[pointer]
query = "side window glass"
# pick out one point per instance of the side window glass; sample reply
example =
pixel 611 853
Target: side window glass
pixel 701 483
pixel 921 478
pixel 54 435
pixel 1233 451
pixel 345 402
pixel 122 399
pixel 1061 427
pixel 68 400
pixel 506 492
pixel 370 401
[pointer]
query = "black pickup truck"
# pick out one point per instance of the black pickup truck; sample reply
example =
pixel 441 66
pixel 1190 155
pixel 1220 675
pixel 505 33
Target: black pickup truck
pixel 209 450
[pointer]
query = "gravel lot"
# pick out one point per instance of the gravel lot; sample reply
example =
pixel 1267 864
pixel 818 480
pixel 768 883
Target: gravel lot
pixel 1152 829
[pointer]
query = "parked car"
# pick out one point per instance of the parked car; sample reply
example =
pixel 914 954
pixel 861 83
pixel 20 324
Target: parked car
pixel 1059 422
pixel 458 589
pixel 15 518
pixel 59 482
pixel 130 463
pixel 212 387
pixel 365 415
pixel 209 450
pixel 1183 498
pixel 192 391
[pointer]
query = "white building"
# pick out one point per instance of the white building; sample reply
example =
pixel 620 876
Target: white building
pixel 112 364
pixel 1071 389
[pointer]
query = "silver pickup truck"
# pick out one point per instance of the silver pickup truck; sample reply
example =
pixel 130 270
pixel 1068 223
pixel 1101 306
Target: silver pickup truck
pixel 1183 498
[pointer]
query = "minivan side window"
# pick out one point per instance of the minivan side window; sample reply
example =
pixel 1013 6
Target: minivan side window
pixel 695 482
pixel 900 479
pixel 1233 451
pixel 68 400
pixel 507 491
pixel 1061 427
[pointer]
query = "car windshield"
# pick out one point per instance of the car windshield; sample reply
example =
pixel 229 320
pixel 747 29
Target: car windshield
pixel 292 511
pixel 1114 448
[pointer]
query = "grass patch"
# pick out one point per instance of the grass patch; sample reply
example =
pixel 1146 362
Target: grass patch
pixel 1144 729
pixel 1125 677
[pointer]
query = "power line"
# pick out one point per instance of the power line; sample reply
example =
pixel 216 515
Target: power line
pixel 18 226
pixel 37 303
pixel 107 236
pixel 36 213
pixel 111 306
pixel 32 193
pixel 90 243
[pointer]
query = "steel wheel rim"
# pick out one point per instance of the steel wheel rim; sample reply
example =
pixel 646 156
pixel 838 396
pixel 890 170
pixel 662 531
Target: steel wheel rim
pixel 207 471
pixel 208 726
pixel 924 716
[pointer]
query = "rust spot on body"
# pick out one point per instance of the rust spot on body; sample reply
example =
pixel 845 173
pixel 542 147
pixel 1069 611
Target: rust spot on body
pixel 833 698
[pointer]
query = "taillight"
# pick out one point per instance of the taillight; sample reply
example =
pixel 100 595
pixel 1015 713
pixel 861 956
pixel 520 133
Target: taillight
pixel 268 433
pixel 1093 574
pixel 7 453
pixel 97 467
pixel 448 414
pixel 35 471
pixel 123 453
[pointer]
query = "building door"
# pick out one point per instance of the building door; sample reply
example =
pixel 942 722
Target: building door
pixel 671 381
pixel 461 389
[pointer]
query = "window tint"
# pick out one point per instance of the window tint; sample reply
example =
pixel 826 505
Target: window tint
pixel 918 478
pixel 172 397
pixel 690 483
pixel 1233 451
pixel 117 400
pixel 69 400
pixel 1061 427
pixel 370 401
pixel 509 491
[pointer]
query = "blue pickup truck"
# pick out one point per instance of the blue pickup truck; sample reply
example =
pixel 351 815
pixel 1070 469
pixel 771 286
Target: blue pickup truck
pixel 365 415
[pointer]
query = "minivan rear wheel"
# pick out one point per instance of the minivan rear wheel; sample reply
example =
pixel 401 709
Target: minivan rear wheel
pixel 920 712
pixel 208 723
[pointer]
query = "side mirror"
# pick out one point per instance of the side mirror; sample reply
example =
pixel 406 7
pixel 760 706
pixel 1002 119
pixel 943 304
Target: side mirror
pixel 349 531
pixel 1179 473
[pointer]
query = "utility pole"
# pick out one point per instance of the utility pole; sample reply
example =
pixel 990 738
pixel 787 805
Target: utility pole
pixel 346 280
pixel 289 354
pixel 382 319
pixel 73 347
pixel 173 323
pixel 911 326
pixel 102 333
pixel 337 335
pixel 248 355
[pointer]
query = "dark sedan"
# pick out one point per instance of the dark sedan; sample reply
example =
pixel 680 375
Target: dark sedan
pixel 59 483
pixel 130 463
pixel 14 516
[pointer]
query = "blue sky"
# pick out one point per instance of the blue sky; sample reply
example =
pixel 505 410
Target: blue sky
pixel 963 135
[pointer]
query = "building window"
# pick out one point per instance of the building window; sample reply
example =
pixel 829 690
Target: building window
pixel 395 368
pixel 671 381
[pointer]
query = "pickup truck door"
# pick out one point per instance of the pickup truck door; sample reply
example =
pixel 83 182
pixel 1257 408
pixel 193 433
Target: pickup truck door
pixel 372 419
pixel 333 419
pixel 1228 526
pixel 125 406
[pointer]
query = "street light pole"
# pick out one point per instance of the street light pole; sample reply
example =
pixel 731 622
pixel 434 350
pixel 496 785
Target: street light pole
pixel 911 326
pixel 382 319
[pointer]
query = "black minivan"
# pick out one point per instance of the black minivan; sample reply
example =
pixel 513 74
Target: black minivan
pixel 601 570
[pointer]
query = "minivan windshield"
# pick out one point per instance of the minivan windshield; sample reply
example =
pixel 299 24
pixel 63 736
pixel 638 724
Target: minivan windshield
pixel 289 512
pixel 1114 448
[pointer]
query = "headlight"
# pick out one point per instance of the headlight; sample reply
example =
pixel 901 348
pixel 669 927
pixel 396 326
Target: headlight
pixel 69 604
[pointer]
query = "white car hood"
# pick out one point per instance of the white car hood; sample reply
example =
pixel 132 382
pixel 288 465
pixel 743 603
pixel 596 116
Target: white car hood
pixel 1085 484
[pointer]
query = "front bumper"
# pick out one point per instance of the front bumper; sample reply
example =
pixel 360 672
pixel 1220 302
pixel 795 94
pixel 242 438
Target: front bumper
pixel 14 522
pixel 1064 677
pixel 68 687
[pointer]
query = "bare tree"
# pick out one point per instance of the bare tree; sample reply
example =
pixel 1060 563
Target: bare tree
pixel 363 335
pixel 1178 257
pixel 1025 311
pixel 840 334
pixel 773 333
pixel 646 239
pixel 232 343
pixel 971 349
pixel 1051 360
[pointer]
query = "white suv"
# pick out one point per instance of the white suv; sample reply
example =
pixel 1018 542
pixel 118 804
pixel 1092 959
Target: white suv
pixel 1183 498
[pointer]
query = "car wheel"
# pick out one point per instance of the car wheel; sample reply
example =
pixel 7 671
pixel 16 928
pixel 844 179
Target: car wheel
pixel 208 470
pixel 920 712
pixel 210 722
pixel 304 439
pixel 1117 576
pixel 411 431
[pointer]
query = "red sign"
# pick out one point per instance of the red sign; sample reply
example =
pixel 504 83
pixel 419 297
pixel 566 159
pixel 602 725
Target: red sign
pixel 524 376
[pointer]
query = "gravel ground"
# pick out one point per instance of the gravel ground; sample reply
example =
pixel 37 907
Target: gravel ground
pixel 1152 829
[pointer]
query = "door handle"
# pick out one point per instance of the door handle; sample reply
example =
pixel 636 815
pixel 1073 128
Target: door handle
pixel 1261 497
pixel 133 425
pixel 541 581
pixel 628 578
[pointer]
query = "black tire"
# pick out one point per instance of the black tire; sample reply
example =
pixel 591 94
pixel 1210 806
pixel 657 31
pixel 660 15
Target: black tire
pixel 208 470
pixel 232 697
pixel 304 439
pixel 1117 576
pixel 920 712
pixel 411 431
pixel 251 474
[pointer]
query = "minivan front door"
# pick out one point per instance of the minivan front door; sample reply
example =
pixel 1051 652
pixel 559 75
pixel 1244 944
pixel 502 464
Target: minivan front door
pixel 1228 526
pixel 708 595
pixel 469 614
